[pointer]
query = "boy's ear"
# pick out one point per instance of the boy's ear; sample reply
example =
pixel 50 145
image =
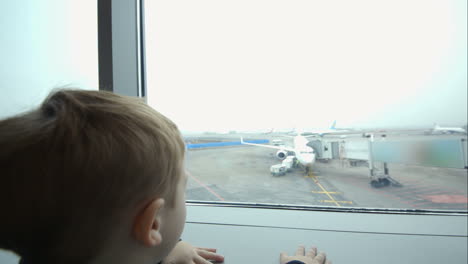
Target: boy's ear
pixel 147 225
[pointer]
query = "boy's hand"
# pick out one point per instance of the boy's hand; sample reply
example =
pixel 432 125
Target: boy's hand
pixel 310 257
pixel 184 253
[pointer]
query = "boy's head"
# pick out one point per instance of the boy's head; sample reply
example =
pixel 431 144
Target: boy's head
pixel 87 171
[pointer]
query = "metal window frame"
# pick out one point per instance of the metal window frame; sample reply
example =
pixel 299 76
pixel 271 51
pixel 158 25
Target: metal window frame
pixel 121 47
pixel 122 70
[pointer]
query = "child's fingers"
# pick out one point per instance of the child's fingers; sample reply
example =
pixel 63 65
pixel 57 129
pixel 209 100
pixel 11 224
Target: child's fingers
pixel 210 255
pixel 312 252
pixel 200 260
pixel 320 258
pixel 208 249
pixel 300 251
pixel 283 257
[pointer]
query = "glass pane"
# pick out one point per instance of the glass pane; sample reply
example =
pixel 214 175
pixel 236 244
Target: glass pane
pixel 342 103
pixel 45 44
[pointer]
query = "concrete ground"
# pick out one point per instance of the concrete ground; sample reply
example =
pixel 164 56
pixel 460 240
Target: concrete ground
pixel 241 174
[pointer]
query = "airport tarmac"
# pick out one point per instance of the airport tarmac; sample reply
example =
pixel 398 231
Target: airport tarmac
pixel 242 174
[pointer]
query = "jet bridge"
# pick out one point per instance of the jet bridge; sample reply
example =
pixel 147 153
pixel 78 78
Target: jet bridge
pixel 372 151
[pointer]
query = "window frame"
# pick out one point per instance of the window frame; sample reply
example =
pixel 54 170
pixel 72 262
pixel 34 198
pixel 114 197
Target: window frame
pixel 122 70
pixel 121 47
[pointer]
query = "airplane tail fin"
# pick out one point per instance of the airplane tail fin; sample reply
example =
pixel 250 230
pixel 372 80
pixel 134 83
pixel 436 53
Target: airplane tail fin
pixel 333 126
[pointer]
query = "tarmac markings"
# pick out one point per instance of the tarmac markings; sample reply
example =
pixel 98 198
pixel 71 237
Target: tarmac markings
pixel 329 201
pixel 206 187
pixel 433 196
pixel 327 193
pixel 419 195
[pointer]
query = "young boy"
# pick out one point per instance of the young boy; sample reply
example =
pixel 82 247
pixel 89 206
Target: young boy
pixel 94 177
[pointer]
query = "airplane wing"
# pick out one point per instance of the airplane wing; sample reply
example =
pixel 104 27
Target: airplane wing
pixel 267 146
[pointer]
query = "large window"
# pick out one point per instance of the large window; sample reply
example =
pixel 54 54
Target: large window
pixel 360 103
pixel 45 44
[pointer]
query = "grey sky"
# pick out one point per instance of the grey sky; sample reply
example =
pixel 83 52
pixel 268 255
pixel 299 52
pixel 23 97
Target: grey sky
pixel 221 65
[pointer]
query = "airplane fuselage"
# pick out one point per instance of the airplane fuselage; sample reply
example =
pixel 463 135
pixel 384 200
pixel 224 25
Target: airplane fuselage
pixel 304 154
pixel 450 130
pixel 446 130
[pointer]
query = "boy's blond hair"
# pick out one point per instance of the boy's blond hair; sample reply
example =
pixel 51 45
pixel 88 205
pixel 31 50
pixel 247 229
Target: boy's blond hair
pixel 71 169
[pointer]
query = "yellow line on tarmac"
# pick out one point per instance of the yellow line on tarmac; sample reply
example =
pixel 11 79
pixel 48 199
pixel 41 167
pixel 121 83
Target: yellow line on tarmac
pixel 314 178
pixel 327 193
pixel 328 201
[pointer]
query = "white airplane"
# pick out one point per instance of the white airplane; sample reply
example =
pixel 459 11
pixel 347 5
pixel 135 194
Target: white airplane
pixel 332 130
pixel 303 153
pixel 445 130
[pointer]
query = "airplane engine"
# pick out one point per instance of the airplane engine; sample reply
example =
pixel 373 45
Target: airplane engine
pixel 281 154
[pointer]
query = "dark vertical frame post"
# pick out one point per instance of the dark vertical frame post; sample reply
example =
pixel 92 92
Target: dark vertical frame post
pixel 106 78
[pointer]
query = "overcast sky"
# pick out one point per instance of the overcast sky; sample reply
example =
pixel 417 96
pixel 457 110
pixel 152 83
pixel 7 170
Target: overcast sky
pixel 222 65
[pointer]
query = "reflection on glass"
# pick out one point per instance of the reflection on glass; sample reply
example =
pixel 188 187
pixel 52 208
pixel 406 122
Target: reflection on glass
pixel 346 104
